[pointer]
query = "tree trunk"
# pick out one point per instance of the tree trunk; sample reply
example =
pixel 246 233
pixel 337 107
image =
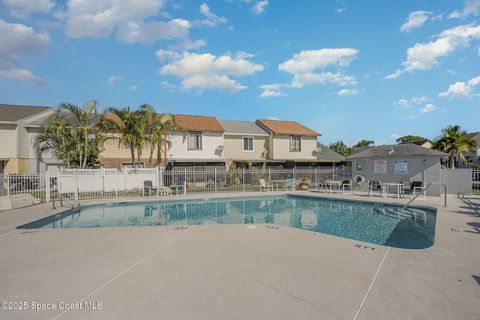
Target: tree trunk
pixel 165 152
pixel 132 153
pixel 85 154
pixel 139 154
pixel 150 159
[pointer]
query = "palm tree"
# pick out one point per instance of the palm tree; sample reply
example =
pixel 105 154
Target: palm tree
pixel 455 142
pixel 144 125
pixel 58 140
pixel 123 122
pixel 140 129
pixel 161 126
pixel 74 134
pixel 88 125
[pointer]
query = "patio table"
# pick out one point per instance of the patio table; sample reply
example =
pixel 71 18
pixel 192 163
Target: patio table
pixel 333 183
pixel 386 189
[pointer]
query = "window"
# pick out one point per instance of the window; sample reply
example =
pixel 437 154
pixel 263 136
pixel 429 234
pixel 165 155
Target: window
pixel 247 144
pixel 295 143
pixel 359 166
pixel 194 141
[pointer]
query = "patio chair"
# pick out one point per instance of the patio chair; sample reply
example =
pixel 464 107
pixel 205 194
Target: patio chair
pixel 148 187
pixel 265 185
pixel 375 187
pixel 409 187
pixel 165 191
pixel 347 185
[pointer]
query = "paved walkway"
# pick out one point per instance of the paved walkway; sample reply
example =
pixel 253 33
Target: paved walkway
pixel 239 272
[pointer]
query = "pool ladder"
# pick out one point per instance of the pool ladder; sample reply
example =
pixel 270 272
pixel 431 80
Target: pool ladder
pixel 71 202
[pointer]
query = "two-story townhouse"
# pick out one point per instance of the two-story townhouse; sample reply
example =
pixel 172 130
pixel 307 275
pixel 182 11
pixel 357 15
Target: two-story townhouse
pixel 199 143
pixel 246 143
pixel 294 145
pixel 19 125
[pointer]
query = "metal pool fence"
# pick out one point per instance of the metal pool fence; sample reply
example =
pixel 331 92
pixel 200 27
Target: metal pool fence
pixel 476 181
pixel 33 184
pixel 104 183
pixel 111 183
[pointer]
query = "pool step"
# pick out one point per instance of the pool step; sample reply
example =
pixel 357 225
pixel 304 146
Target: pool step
pixel 408 213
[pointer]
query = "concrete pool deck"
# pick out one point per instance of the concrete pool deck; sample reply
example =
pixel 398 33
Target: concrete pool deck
pixel 240 271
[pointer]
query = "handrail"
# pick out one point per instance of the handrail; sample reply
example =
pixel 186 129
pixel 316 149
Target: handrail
pixel 425 190
pixel 74 204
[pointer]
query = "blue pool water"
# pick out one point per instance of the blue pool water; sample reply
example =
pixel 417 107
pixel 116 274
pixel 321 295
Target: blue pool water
pixel 366 221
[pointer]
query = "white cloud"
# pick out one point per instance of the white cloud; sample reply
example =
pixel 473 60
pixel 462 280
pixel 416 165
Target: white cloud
pixel 461 90
pixel 423 56
pixel 471 7
pixel 211 20
pixel 415 20
pixel 17 40
pixel 409 103
pixel 309 60
pixel 304 67
pixel 128 20
pixel 207 71
pixel 23 8
pixel 273 118
pixel 272 90
pixel 342 7
pixel 132 88
pixel 21 75
pixel 428 108
pixel 113 80
pixel 150 32
pixel 322 78
pixel 260 7
pixel 348 92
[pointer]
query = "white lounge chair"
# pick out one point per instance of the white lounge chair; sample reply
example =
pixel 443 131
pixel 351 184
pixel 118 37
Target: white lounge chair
pixel 265 185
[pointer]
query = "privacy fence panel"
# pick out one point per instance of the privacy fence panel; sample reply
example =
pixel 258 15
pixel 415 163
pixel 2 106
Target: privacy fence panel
pixel 457 180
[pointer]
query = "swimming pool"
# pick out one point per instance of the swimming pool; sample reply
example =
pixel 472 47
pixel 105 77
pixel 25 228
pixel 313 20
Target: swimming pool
pixel 366 221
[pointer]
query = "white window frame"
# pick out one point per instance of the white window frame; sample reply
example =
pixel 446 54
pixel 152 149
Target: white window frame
pixel 200 147
pixel 300 144
pixel 243 143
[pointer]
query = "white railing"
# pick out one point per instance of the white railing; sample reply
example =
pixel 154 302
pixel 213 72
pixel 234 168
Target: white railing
pixel 476 181
pixel 17 184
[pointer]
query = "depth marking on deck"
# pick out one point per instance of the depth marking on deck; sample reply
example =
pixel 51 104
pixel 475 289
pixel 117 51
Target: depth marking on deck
pixel 125 271
pixel 371 284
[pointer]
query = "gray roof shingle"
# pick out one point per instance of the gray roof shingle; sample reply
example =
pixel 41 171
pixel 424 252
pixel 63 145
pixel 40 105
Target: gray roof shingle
pixel 12 113
pixel 242 127
pixel 397 150
pixel 325 154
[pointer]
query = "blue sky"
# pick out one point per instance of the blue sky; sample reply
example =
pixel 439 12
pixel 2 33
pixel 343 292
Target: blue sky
pixel 348 69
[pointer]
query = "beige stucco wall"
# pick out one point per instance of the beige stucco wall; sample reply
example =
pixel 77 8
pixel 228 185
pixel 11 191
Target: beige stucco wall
pixel 234 148
pixel 15 165
pixel 8 141
pixel 24 145
pixel 281 148
pixel 112 149
pixel 211 141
